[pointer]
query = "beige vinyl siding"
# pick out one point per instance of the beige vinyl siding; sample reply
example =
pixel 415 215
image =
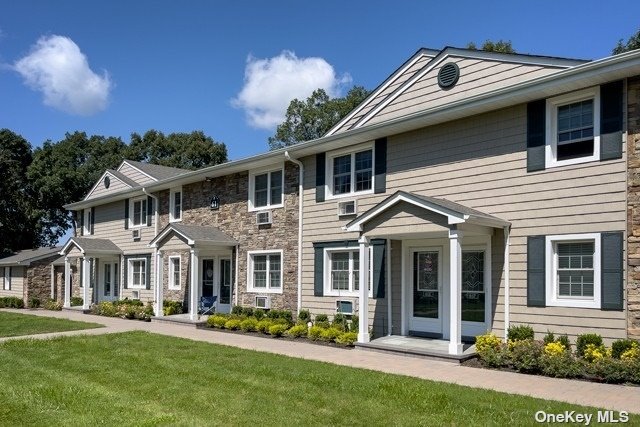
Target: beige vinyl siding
pixel 115 186
pixel 476 77
pixel 403 77
pixel 480 162
pixel 17 282
pixel 135 174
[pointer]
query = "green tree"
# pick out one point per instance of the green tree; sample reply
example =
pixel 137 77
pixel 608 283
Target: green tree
pixel 19 225
pixel 501 46
pixel 313 117
pixel 193 150
pixel 632 44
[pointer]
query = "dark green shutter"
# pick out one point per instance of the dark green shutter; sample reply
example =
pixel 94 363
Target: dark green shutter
pixel 611 285
pixel 318 271
pixel 82 222
pixel 380 165
pixel 149 210
pixel 93 221
pixel 321 160
pixel 148 275
pixel 379 267
pixel 126 214
pixel 125 271
pixel 611 120
pixel 536 277
pixel 536 134
pixel 81 269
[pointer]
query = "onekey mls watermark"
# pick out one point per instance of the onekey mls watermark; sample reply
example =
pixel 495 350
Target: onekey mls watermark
pixel 585 418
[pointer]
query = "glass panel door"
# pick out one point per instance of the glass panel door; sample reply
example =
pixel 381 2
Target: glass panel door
pixel 473 289
pixel 225 283
pixel 207 277
pixel 109 281
pixel 426 292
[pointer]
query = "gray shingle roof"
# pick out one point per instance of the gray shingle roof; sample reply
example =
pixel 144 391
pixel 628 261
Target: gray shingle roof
pixel 157 171
pixel 456 207
pixel 198 233
pixel 90 244
pixel 122 177
pixel 27 256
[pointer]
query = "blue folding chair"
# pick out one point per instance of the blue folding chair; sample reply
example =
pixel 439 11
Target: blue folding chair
pixel 208 305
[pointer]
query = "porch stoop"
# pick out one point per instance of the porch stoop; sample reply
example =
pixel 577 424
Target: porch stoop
pixel 180 319
pixel 433 349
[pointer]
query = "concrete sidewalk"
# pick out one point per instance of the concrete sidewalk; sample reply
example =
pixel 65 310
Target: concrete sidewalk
pixel 607 396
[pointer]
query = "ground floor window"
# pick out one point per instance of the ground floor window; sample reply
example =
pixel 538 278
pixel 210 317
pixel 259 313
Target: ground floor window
pixel 175 277
pixel 265 271
pixel 342 271
pixel 137 272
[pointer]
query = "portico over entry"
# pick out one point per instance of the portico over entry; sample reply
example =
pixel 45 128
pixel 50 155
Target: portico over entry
pixel 445 269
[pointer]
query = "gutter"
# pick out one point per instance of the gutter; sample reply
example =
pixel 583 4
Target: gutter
pixel 300 205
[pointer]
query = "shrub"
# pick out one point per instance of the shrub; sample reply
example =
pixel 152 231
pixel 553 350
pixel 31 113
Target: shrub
pixel 34 302
pixel 315 332
pixel 593 353
pixel 297 331
pixel 249 324
pixel 217 321
pixel 354 323
pixel 554 349
pixel 259 314
pixel 324 324
pixel 106 309
pixel 631 355
pixel 277 330
pixel 170 307
pixel 76 301
pixel 330 334
pixel 520 333
pixel 487 342
pixel 525 355
pixel 562 365
pixel 608 369
pixel 281 314
pixel 264 325
pixel 129 302
pixel 304 316
pixel 321 318
pixel 549 338
pixel 11 302
pixel 564 340
pixel 347 338
pixel 233 324
pixel 491 350
pixel 247 311
pixel 340 322
pixel 618 347
pixel 53 305
pixel 237 310
pixel 586 339
pixel 147 313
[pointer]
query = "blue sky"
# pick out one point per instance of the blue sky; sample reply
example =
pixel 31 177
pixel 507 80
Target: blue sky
pixel 229 68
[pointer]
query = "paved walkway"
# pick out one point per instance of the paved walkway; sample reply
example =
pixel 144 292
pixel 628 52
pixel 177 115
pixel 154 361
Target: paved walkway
pixel 608 396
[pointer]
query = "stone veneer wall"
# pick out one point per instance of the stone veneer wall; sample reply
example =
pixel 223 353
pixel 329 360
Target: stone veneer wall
pixel 37 282
pixel 183 293
pixel 234 219
pixel 633 207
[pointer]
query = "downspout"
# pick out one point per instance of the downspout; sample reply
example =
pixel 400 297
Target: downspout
pixel 156 269
pixel 300 203
pixel 506 281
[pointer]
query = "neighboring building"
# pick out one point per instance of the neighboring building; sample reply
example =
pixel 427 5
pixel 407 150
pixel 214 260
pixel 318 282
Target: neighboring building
pixel 32 273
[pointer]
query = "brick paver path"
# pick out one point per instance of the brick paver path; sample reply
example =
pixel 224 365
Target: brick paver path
pixel 608 396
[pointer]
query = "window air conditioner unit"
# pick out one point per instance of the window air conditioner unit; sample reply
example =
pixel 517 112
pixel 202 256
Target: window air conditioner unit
pixel 347 208
pixel 344 307
pixel 135 234
pixel 135 294
pixel 263 217
pixel 263 302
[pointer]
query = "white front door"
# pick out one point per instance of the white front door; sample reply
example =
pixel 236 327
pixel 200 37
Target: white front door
pixel 108 289
pixel 425 292
pixel 224 291
pixel 216 280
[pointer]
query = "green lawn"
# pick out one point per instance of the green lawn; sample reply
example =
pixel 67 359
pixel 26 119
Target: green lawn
pixel 14 324
pixel 138 378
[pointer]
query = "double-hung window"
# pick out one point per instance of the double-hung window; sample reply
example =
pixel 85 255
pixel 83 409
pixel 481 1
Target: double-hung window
pixel 266 189
pixel 265 271
pixel 573 123
pixel 175 277
pixel 175 205
pixel 138 212
pixel 6 278
pixel 350 172
pixel 574 274
pixel 342 271
pixel 137 273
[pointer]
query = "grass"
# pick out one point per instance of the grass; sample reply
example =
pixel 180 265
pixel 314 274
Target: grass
pixel 14 324
pixel 138 378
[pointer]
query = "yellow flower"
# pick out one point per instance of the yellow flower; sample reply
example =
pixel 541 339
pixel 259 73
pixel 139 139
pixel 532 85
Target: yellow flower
pixel 593 353
pixel 486 342
pixel 632 354
pixel 554 349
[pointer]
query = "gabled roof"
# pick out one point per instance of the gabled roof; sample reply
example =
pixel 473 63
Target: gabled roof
pixel 27 256
pixel 195 234
pixel 125 180
pixel 88 245
pixel 455 212
pixel 156 172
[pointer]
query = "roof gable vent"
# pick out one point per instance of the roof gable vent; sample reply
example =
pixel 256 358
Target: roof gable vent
pixel 448 75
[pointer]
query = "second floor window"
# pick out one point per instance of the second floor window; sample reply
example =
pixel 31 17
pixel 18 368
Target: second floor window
pixel 351 173
pixel 266 189
pixel 175 205
pixel 139 212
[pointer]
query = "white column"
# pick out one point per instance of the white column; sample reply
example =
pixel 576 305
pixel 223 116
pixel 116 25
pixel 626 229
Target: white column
pixel 363 312
pixel 193 294
pixel 67 283
pixel 506 282
pixel 86 283
pixel 389 290
pixel 159 285
pixel 455 295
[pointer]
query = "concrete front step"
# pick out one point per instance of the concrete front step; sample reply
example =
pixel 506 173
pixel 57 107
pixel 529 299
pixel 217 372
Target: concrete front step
pixel 175 320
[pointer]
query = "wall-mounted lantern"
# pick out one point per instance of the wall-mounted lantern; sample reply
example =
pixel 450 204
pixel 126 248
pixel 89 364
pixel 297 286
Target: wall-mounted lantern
pixel 215 203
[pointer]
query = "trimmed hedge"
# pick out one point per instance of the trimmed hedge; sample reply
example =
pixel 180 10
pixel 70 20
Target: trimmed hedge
pixel 11 302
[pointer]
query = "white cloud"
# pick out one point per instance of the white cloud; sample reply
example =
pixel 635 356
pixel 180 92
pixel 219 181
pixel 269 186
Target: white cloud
pixel 57 68
pixel 270 85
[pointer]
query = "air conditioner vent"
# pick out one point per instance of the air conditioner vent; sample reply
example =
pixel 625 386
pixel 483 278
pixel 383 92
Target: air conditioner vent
pixel 347 208
pixel 344 307
pixel 263 217
pixel 263 302
pixel 135 234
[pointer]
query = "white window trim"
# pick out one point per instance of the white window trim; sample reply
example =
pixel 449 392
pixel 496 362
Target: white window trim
pixel 130 283
pixel 551 265
pixel 268 289
pixel 172 203
pixel 6 280
pixel 328 291
pixel 86 222
pixel 172 284
pixel 329 171
pixel 143 222
pixel 551 146
pixel 252 186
